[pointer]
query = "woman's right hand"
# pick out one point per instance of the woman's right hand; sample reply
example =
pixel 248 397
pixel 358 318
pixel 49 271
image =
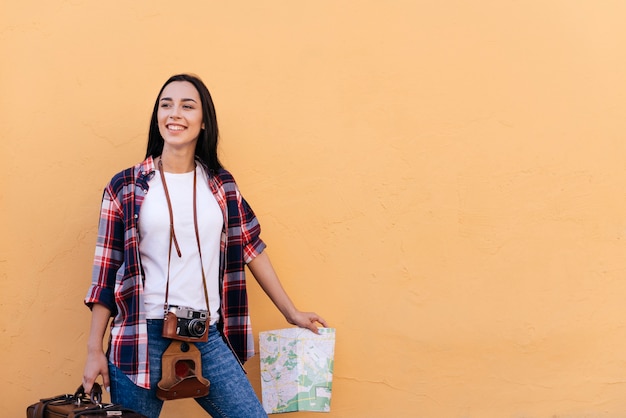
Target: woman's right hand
pixel 96 365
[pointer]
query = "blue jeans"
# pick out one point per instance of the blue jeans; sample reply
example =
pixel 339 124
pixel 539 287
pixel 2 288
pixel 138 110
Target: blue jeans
pixel 230 393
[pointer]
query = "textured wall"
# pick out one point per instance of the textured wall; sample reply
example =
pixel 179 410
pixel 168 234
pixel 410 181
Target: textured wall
pixel 443 181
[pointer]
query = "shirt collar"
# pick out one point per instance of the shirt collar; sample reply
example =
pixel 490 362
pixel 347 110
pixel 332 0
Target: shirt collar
pixel 147 167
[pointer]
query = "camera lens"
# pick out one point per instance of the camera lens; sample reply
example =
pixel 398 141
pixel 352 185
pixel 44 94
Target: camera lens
pixel 196 328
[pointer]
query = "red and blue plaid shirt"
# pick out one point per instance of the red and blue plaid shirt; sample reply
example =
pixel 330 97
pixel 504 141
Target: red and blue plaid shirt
pixel 117 280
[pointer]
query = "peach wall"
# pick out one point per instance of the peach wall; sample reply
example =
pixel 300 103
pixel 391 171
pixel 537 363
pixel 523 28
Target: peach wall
pixel 443 181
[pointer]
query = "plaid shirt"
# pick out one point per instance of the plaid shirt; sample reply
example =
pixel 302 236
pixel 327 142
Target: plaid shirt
pixel 117 280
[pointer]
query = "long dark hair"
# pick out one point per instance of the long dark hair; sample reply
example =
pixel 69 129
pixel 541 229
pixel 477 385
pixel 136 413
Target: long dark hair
pixel 206 147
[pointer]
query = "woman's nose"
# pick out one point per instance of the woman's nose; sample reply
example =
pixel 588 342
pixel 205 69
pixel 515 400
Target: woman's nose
pixel 175 112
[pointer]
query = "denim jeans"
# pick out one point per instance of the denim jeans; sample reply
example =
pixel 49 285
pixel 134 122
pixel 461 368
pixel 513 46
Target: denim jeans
pixel 230 393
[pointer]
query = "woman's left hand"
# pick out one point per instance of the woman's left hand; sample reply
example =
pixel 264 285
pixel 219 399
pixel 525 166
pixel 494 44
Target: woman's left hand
pixel 307 320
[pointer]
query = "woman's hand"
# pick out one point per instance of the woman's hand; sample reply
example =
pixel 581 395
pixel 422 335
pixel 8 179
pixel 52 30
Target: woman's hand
pixel 307 320
pixel 96 365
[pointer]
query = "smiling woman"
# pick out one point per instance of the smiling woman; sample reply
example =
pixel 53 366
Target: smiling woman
pixel 180 240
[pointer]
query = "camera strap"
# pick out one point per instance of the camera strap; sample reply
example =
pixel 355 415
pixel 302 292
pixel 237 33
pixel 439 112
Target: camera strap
pixel 173 239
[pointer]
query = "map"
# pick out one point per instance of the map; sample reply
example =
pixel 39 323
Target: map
pixel 296 369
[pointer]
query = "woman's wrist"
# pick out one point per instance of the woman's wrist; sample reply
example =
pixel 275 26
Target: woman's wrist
pixel 94 347
pixel 289 312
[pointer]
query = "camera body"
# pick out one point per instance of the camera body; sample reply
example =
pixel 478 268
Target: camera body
pixel 186 324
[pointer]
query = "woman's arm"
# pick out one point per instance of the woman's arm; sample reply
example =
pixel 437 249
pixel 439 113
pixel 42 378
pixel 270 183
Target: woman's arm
pixel 97 363
pixel 261 268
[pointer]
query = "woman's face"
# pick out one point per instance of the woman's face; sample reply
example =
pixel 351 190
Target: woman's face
pixel 180 115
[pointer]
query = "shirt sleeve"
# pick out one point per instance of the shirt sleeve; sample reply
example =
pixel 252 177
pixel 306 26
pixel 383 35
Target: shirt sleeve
pixel 253 245
pixel 109 253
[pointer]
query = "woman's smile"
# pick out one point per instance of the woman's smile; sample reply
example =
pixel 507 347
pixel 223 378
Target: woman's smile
pixel 173 127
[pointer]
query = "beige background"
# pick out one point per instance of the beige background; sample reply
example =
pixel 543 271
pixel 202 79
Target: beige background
pixel 442 180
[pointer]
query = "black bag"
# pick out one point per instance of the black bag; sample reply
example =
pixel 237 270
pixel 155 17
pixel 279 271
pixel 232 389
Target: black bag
pixel 79 405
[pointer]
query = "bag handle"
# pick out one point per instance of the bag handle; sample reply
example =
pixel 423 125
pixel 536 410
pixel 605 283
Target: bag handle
pixel 95 395
pixel 79 397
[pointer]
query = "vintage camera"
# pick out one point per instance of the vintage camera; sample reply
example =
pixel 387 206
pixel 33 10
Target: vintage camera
pixel 186 324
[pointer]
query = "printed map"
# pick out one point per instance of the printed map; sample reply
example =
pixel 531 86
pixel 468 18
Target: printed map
pixel 296 369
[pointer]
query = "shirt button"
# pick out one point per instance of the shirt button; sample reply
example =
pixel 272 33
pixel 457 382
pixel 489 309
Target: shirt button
pixel 136 215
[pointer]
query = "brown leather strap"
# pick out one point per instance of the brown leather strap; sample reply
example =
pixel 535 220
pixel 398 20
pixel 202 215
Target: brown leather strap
pixel 195 224
pixel 172 233
pixel 40 408
pixel 175 241
pixel 107 410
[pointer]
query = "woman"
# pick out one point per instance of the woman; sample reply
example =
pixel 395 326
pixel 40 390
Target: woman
pixel 152 252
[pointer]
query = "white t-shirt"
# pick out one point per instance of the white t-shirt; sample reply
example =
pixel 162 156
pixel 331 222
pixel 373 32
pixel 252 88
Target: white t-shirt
pixel 185 287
